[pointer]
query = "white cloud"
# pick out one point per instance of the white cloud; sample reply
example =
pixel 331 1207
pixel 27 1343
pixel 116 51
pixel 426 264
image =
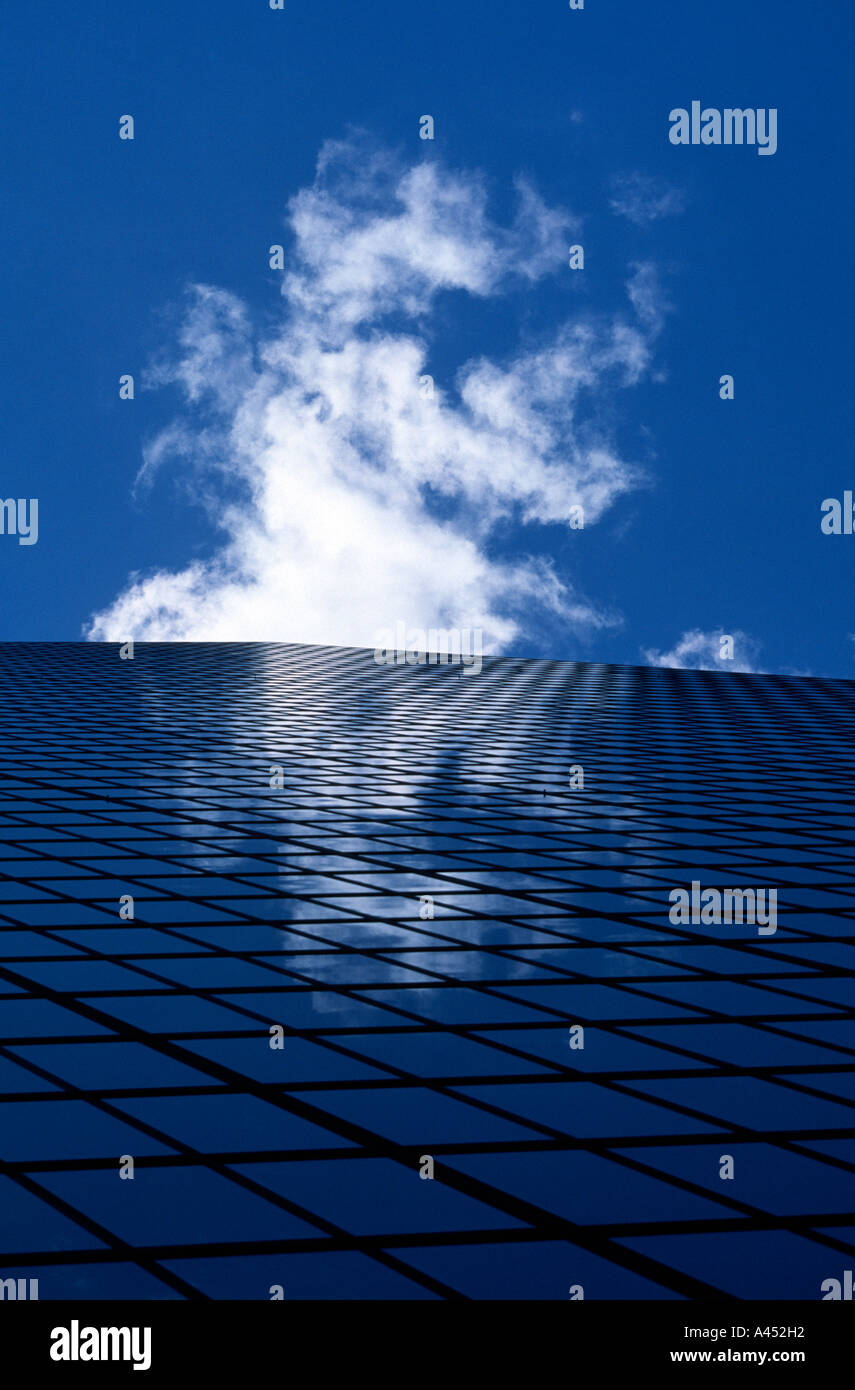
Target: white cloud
pixel 646 297
pixel 644 199
pixel 702 651
pixel 347 498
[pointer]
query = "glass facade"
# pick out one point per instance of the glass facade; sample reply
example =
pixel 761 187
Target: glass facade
pixel 283 932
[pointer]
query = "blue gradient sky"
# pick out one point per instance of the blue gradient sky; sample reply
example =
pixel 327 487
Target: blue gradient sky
pixel 232 103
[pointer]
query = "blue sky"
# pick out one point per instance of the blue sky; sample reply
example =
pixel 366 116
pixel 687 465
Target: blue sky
pixel 708 518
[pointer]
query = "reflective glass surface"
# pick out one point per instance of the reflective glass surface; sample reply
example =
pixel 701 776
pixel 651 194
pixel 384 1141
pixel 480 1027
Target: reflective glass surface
pixel 335 980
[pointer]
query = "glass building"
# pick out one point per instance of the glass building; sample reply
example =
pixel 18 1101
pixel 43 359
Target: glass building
pixel 327 979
